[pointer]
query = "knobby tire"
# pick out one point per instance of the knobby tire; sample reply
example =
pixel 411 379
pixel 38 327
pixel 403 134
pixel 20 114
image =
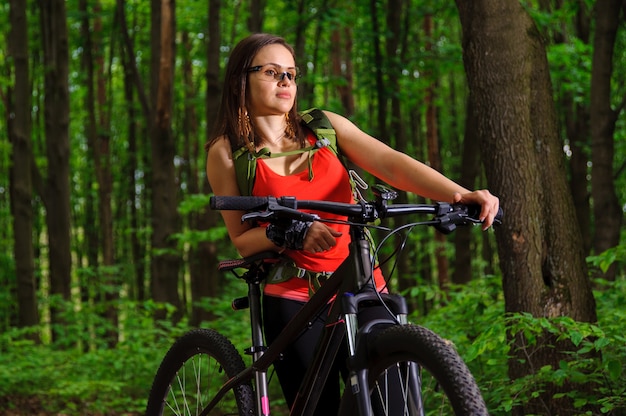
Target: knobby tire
pixel 446 384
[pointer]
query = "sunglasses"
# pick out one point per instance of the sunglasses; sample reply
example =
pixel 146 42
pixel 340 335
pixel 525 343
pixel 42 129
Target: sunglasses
pixel 271 72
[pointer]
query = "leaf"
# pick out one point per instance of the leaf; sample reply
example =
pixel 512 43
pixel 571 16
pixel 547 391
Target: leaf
pixel 615 369
pixel 576 337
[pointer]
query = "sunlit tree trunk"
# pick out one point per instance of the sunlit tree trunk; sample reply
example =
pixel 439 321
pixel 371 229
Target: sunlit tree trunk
pixel 540 245
pixel 21 188
pixel 608 214
pixel 165 264
pixel 56 195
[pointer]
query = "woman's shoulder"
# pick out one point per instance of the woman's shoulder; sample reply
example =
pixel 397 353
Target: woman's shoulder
pixel 338 121
pixel 220 150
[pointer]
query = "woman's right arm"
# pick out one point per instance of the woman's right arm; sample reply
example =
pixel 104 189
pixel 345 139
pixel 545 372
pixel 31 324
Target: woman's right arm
pixel 220 171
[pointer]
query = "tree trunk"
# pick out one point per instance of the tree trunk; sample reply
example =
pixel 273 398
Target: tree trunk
pixel 434 157
pixel 341 49
pixel 90 219
pixel 606 207
pixel 56 195
pixel 192 172
pixel 206 279
pixel 381 95
pixel 98 125
pixel 255 20
pixel 470 167
pixel 132 80
pixel 21 188
pixel 165 220
pixel 540 246
pixel 395 45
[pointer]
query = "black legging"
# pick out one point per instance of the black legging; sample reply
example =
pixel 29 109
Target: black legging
pixel 290 369
pixel 277 312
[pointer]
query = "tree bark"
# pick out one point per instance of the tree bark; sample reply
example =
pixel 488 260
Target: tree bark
pixel 206 279
pixel 165 219
pixel 341 49
pixel 540 246
pixel 381 95
pixel 434 157
pixel 606 207
pixel 56 195
pixel 91 245
pixel 132 81
pixel 21 188
pixel 255 20
pixel 470 167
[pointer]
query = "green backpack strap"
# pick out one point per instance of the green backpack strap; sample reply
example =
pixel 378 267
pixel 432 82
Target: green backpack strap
pixel 245 161
pixel 245 169
pixel 316 120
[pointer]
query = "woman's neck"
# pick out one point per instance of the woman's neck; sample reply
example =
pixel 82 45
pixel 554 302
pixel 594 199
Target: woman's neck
pixel 272 130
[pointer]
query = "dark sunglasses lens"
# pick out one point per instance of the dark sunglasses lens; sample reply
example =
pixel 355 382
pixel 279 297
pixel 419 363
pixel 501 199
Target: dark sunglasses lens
pixel 281 76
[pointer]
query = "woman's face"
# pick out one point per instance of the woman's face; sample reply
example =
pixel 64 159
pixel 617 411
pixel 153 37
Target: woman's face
pixel 266 94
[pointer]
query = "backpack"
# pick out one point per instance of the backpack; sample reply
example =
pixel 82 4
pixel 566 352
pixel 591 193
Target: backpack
pixel 245 161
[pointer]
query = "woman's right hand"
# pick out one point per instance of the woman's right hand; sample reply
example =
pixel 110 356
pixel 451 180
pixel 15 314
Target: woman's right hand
pixel 320 238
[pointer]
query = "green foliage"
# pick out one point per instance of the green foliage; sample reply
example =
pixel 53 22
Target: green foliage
pixel 570 69
pixel 92 377
pixel 88 380
pixel 473 319
pixel 604 260
pixel 198 203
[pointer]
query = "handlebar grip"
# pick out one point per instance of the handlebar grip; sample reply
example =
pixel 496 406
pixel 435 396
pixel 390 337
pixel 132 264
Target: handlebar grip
pixel 239 203
pixel 499 216
pixel 473 211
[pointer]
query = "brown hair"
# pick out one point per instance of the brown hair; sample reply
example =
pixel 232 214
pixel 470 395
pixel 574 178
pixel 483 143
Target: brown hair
pixel 234 90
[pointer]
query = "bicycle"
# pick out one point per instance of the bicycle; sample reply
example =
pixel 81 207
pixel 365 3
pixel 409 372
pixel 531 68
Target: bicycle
pixel 394 367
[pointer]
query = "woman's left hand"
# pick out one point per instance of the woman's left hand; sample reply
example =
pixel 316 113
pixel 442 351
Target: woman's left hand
pixel 489 204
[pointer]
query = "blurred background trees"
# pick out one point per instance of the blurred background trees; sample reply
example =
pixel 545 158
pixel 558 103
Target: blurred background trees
pixel 107 105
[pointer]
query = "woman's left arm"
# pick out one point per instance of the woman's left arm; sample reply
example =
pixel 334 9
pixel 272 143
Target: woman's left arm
pixel 404 172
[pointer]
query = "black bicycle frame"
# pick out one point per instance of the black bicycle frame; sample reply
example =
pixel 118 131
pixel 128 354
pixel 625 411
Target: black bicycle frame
pixel 352 275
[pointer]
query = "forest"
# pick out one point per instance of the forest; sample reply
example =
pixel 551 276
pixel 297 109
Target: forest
pixel 109 252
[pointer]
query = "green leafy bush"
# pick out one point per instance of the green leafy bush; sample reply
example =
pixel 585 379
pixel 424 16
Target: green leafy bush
pixel 473 319
pixel 82 379
pixel 80 375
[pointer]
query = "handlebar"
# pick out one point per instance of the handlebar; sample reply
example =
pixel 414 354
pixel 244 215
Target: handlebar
pixel 446 216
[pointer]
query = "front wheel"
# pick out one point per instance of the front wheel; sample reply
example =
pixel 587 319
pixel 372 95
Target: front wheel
pixel 413 371
pixel 191 373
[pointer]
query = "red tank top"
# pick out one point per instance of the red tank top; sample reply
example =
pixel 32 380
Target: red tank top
pixel 330 182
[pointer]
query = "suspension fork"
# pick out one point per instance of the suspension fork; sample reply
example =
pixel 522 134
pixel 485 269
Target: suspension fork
pixel 363 275
pixel 356 332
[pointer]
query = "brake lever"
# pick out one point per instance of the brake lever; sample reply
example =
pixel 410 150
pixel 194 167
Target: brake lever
pixel 276 210
pixel 450 216
pixel 253 216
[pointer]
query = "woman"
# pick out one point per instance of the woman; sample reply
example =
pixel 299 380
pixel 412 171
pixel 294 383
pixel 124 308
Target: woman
pixel 258 110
